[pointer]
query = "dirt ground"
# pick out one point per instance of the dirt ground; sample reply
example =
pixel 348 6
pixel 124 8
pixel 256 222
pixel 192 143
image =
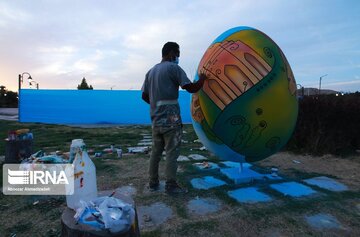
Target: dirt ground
pixel 346 170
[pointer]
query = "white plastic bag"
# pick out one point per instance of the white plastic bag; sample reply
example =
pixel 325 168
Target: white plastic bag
pixel 117 215
pixel 112 214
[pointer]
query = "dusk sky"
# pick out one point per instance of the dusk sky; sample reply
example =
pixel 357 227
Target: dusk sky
pixel 114 43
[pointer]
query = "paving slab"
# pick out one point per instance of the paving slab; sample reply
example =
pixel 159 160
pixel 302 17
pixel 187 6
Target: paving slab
pixel 182 158
pixel 323 221
pixel 232 164
pixel 197 157
pixel 327 183
pixel 127 190
pixel 203 206
pixel 272 177
pixel 207 182
pixel 153 215
pixel 144 144
pixel 244 176
pixel 293 189
pixel 249 195
pixel 206 165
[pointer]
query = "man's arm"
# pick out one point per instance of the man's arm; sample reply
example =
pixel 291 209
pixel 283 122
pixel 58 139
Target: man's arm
pixel 195 87
pixel 145 97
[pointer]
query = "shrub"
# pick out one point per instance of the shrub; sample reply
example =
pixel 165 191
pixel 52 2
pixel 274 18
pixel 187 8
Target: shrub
pixel 327 124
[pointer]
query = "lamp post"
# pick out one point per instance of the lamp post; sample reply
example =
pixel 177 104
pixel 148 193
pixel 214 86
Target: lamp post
pixel 320 82
pixel 31 81
pixel 21 78
pixel 301 88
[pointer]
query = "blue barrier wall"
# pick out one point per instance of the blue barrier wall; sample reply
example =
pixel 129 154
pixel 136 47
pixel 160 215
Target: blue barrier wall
pixel 90 107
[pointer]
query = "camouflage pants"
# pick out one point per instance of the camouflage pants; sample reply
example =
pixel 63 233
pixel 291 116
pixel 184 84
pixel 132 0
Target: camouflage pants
pixel 168 139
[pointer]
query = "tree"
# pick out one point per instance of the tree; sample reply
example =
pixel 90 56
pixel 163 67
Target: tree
pixel 84 86
pixel 8 99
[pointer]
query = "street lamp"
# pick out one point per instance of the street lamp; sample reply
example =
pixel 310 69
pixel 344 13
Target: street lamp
pixel 31 82
pixel 320 82
pixel 299 90
pixel 21 78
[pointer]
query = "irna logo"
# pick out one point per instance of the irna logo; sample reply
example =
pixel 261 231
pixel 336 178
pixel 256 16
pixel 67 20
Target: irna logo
pixel 36 177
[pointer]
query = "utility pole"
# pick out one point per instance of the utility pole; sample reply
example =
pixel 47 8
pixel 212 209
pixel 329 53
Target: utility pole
pixel 320 82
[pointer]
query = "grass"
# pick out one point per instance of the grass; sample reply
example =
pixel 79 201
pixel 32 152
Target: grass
pixel 284 214
pixel 152 233
pixel 58 137
pixel 20 227
pixel 194 228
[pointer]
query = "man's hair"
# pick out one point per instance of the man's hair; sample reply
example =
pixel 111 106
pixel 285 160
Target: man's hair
pixel 168 47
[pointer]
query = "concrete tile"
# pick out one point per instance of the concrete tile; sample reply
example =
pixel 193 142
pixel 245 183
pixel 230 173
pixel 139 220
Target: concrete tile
pixel 203 206
pixel 197 157
pixel 206 182
pixel 182 158
pixel 154 215
pixel 327 183
pixel 206 165
pixel 249 195
pixel 232 164
pixel 323 221
pixel 293 189
pixel 245 176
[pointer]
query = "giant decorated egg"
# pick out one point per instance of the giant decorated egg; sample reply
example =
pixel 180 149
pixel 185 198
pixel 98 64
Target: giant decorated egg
pixel 247 108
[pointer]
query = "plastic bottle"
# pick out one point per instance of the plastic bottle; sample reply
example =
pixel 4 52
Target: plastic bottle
pixel 75 144
pixel 119 152
pixel 85 187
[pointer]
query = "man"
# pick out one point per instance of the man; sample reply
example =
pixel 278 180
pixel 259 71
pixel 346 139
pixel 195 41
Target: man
pixel 161 91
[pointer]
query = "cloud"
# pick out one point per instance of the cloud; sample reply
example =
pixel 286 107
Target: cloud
pixel 10 14
pixel 58 50
pixel 117 42
pixel 90 63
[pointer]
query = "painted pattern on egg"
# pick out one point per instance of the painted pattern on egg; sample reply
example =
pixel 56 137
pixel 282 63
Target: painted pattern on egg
pixel 247 109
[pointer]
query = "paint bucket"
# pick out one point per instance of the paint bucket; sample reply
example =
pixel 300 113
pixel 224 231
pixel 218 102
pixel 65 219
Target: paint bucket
pixel 84 176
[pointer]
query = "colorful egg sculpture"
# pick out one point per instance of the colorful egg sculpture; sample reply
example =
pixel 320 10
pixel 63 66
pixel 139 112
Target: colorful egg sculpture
pixel 247 108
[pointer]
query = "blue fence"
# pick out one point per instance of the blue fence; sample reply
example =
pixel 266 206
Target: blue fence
pixel 90 107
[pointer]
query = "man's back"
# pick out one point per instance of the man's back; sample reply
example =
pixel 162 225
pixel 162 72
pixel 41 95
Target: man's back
pixel 162 82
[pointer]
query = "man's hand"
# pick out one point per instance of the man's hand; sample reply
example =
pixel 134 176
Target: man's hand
pixel 195 87
pixel 202 76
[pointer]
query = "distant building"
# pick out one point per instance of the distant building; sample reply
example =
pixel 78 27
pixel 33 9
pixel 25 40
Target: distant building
pixel 314 91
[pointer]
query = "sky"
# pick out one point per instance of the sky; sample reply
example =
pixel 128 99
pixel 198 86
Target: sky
pixel 113 43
